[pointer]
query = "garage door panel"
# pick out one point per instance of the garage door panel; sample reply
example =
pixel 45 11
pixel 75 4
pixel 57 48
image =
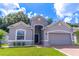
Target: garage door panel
pixel 59 38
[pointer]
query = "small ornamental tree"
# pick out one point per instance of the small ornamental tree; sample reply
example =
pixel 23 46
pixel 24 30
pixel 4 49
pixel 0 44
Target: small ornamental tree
pixel 77 32
pixel 77 35
pixel 2 34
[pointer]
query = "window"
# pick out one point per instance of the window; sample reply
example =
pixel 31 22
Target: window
pixel 20 34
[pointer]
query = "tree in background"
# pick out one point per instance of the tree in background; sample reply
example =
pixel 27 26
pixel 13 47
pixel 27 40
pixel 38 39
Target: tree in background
pixel 2 34
pixel 1 20
pixel 77 35
pixel 14 18
pixel 73 25
pixel 2 25
pixel 50 20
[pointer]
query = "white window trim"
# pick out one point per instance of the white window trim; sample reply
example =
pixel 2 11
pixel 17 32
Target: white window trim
pixel 21 30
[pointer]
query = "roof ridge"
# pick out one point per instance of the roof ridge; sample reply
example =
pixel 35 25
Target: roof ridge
pixel 17 24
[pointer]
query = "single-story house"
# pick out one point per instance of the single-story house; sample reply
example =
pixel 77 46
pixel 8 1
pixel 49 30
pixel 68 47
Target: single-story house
pixel 40 33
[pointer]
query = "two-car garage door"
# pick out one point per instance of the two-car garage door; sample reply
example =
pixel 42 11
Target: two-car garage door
pixel 59 38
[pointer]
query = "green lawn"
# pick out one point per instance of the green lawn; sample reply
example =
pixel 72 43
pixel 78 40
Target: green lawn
pixel 29 51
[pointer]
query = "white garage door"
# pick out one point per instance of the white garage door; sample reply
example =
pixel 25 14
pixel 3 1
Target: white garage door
pixel 59 38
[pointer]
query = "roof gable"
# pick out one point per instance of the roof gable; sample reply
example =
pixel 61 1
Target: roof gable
pixel 18 23
pixel 37 18
pixel 59 23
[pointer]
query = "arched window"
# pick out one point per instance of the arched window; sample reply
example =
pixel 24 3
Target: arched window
pixel 20 34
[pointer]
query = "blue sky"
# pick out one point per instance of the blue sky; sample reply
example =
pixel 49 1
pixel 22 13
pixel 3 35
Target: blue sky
pixel 46 9
pixel 66 11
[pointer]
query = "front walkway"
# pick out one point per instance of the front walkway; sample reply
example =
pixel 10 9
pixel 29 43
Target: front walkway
pixel 68 50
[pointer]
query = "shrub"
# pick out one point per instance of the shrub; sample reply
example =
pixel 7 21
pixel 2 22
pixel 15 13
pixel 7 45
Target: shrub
pixel 2 34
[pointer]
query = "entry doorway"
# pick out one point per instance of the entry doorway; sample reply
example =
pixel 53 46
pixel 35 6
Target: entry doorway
pixel 38 34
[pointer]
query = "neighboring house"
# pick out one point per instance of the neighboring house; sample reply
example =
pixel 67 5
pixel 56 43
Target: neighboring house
pixel 39 32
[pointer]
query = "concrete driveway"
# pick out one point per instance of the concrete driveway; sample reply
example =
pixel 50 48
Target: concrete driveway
pixel 68 50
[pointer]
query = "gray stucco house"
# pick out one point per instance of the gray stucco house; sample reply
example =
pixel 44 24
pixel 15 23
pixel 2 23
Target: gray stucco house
pixel 39 32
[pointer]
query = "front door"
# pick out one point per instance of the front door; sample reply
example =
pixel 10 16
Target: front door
pixel 38 34
pixel 36 39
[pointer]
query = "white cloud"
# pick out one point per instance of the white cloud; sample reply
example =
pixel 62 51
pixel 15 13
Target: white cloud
pixel 67 19
pixel 11 8
pixel 22 9
pixel 66 9
pixel 11 5
pixel 58 7
pixel 41 14
pixel 46 17
pixel 34 14
pixel 76 20
pixel 30 14
pixel 3 12
pixel 16 4
pixel 63 8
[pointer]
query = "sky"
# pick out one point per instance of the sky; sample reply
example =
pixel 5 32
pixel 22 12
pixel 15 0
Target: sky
pixel 68 12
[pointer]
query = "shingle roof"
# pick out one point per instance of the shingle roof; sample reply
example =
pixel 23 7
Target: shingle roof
pixel 53 24
pixel 20 22
pixel 38 16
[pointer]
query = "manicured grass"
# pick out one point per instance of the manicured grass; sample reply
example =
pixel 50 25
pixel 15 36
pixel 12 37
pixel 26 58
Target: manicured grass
pixel 29 51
